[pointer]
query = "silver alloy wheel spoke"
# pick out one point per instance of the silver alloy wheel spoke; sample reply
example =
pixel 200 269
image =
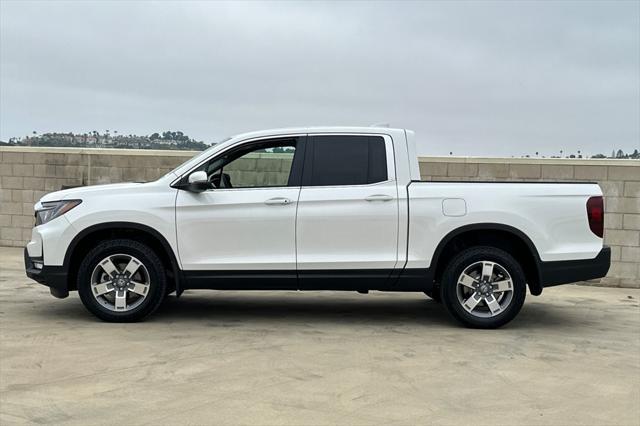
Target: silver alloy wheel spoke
pixel 120 282
pixel 138 288
pixel 109 267
pixel 132 267
pixel 103 288
pixel 487 270
pixel 121 300
pixel 501 286
pixel 493 304
pixel 472 302
pixel 467 281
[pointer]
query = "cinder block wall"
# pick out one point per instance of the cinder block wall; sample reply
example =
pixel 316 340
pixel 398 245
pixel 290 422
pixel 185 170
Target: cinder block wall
pixel 619 180
pixel 28 173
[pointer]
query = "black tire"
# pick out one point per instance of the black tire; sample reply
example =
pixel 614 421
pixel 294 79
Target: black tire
pixel 463 260
pixel 157 280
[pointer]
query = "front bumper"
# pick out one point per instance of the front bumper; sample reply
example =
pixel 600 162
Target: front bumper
pixel 570 271
pixel 54 277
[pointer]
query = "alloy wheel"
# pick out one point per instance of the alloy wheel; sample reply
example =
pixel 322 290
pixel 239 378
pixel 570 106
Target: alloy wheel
pixel 485 289
pixel 120 282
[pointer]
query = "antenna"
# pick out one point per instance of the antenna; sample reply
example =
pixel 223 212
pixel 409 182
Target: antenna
pixel 380 125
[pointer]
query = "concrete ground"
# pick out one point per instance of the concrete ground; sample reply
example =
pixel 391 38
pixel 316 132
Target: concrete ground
pixel 571 357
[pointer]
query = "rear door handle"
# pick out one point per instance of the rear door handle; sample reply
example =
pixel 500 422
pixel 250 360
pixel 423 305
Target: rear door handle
pixel 278 201
pixel 379 197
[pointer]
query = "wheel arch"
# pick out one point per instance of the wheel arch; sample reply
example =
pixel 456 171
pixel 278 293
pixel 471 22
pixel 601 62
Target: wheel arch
pixel 109 230
pixel 497 235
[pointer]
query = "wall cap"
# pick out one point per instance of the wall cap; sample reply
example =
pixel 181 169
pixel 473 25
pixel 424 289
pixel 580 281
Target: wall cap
pixel 543 161
pixel 98 151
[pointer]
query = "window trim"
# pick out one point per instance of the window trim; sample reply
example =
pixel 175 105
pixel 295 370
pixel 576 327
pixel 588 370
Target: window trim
pixel 296 166
pixel 389 152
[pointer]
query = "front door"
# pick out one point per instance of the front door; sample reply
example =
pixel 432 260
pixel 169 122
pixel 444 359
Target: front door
pixel 241 233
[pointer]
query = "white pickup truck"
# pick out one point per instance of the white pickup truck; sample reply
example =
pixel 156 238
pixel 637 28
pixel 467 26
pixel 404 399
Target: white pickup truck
pixel 316 209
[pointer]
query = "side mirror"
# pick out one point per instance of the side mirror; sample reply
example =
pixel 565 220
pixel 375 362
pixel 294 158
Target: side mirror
pixel 198 182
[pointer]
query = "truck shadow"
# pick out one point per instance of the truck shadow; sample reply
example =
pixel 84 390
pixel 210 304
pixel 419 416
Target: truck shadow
pixel 366 310
pixel 305 309
pixel 224 309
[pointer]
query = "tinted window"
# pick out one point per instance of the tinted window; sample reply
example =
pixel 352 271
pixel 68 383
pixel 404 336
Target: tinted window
pixel 345 160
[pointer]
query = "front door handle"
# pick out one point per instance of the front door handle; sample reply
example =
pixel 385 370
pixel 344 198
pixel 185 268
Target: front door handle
pixel 379 197
pixel 278 201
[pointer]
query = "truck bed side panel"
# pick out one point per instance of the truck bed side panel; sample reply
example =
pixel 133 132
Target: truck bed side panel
pixel 553 216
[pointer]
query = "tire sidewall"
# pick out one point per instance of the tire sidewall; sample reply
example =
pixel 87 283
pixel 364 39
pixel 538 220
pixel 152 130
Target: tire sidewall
pixel 463 260
pixel 157 279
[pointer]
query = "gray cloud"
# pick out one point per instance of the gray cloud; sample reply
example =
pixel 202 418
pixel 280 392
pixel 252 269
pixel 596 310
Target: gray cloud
pixel 476 78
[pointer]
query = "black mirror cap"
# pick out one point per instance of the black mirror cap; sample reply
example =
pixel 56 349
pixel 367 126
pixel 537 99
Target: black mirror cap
pixel 195 187
pixel 198 187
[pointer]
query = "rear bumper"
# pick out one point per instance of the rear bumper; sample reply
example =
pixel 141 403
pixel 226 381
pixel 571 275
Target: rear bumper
pixel 54 277
pixel 570 271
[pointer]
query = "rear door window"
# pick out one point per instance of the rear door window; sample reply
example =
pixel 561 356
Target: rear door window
pixel 345 160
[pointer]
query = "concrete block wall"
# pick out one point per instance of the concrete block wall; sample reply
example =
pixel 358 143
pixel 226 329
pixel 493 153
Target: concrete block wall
pixel 265 168
pixel 619 180
pixel 28 173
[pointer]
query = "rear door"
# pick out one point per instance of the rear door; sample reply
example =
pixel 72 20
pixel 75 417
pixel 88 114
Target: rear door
pixel 347 220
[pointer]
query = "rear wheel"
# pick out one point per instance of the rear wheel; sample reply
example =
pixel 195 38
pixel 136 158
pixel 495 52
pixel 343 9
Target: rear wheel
pixel 483 287
pixel 121 281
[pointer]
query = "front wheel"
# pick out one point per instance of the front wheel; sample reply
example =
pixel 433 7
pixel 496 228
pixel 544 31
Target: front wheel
pixel 483 287
pixel 121 281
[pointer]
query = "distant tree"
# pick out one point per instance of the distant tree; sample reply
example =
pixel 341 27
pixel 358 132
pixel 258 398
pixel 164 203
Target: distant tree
pixel 154 136
pixel 282 150
pixel 620 154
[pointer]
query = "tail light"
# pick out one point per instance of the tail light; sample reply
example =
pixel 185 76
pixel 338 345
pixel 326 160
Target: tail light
pixel 595 213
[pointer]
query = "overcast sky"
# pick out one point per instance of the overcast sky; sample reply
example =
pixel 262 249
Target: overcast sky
pixel 475 78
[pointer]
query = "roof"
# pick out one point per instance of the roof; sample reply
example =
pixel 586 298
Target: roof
pixel 316 129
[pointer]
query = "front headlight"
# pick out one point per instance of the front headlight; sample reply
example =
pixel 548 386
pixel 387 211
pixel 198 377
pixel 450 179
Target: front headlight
pixel 52 209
